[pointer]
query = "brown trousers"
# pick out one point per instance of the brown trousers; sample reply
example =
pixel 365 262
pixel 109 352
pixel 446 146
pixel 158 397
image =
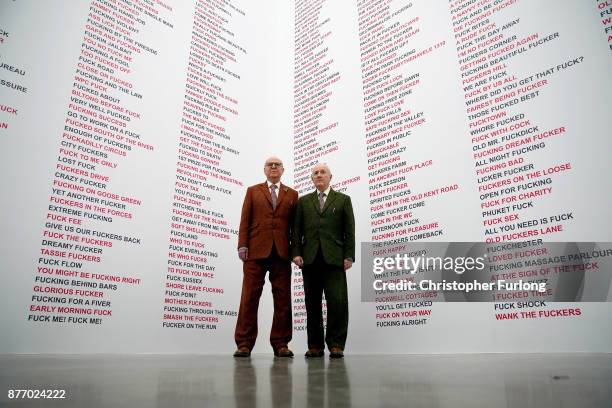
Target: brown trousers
pixel 254 274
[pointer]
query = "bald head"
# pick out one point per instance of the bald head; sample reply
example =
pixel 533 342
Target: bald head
pixel 321 176
pixel 273 169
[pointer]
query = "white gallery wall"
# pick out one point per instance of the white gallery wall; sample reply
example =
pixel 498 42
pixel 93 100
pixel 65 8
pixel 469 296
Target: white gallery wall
pixel 129 132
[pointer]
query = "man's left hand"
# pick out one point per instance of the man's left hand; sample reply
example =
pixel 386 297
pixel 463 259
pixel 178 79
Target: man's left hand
pixel 347 264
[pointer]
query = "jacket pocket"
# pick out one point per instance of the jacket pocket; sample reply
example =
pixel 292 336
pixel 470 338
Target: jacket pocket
pixel 253 227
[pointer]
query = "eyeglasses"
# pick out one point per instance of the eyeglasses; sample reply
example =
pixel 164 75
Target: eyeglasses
pixel 274 164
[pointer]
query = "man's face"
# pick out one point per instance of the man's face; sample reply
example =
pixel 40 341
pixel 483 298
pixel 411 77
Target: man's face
pixel 273 169
pixel 321 176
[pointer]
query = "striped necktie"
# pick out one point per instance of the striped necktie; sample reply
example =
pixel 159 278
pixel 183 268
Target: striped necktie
pixel 274 197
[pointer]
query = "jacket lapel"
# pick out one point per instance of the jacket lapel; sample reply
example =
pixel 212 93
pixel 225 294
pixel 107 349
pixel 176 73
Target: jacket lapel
pixel 263 187
pixel 281 194
pixel 315 201
pixel 329 200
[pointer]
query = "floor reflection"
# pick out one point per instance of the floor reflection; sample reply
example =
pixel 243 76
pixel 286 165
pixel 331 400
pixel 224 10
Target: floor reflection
pixel 245 383
pixel 432 381
pixel 337 383
pixel 315 385
pixel 327 380
pixel 281 382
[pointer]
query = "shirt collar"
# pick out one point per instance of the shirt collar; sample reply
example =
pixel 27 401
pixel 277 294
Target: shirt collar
pixel 326 191
pixel 276 184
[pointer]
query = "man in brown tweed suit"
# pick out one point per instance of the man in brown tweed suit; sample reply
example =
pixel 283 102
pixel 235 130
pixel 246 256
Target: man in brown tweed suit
pixel 263 246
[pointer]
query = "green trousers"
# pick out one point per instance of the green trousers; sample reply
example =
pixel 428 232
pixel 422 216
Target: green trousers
pixel 320 277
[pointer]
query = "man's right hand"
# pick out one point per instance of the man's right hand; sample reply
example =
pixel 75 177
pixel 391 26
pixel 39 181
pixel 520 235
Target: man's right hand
pixel 298 261
pixel 243 254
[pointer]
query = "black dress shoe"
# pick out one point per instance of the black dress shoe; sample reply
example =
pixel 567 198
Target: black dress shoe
pixel 283 352
pixel 242 352
pixel 314 352
pixel 336 352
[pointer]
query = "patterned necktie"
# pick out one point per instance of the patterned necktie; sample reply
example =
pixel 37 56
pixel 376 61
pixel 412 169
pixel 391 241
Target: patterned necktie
pixel 274 197
pixel 321 201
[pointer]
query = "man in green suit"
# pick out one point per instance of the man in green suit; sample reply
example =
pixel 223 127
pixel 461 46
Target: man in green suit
pixel 323 245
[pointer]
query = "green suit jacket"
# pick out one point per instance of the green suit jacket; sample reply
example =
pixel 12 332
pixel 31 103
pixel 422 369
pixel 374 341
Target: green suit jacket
pixel 333 229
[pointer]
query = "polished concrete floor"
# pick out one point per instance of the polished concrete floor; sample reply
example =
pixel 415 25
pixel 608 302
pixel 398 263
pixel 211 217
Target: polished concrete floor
pixel 481 380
